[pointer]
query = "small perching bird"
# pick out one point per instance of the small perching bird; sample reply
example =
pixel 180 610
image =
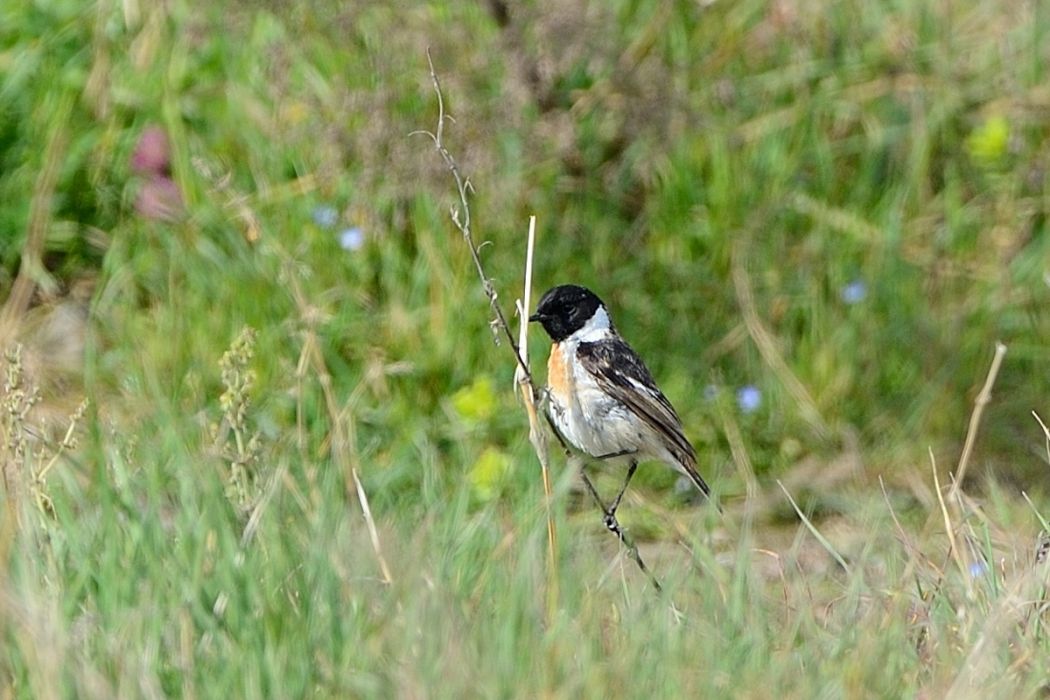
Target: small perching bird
pixel 602 399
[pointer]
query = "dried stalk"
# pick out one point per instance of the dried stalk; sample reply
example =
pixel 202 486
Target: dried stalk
pixel 975 419
pixel 461 218
pixel 537 436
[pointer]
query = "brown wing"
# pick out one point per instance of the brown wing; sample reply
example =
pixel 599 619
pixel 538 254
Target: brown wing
pixel 622 375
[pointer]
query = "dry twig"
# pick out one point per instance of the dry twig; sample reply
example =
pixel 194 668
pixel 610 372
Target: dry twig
pixel 975 418
pixel 461 218
pixel 537 436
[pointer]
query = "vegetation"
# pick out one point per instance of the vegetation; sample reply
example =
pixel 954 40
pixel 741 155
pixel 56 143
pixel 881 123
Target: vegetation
pixel 301 468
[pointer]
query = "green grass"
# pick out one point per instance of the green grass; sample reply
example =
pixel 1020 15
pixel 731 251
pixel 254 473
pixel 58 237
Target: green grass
pixel 682 159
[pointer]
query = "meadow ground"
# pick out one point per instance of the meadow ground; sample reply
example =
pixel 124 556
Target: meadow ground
pixel 814 220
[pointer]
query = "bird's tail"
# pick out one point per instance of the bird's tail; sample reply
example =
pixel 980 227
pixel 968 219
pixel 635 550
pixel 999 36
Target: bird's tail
pixel 689 468
pixel 695 477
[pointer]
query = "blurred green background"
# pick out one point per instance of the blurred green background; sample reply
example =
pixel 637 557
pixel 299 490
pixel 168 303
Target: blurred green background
pixel 862 185
pixel 879 172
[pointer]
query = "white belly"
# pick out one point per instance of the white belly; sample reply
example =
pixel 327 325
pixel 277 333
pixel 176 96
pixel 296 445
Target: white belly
pixel 593 423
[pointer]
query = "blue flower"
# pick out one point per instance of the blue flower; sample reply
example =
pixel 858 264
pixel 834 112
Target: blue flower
pixel 324 216
pixel 749 398
pixel 351 238
pixel 854 292
pixel 978 569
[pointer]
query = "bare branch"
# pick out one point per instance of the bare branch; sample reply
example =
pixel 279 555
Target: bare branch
pixel 461 218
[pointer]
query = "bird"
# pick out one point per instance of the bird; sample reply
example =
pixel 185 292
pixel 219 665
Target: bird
pixel 601 398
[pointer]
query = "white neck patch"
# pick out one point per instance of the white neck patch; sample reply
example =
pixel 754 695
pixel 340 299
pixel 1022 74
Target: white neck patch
pixel 596 328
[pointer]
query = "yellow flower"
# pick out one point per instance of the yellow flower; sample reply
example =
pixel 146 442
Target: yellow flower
pixel 987 143
pixel 488 472
pixel 476 402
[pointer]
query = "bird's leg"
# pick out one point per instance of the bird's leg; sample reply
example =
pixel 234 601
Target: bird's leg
pixel 614 525
pixel 610 515
pixel 594 493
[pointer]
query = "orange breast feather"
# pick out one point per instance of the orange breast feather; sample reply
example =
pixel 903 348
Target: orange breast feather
pixel 558 375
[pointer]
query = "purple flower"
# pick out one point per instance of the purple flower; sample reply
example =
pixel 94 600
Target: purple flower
pixel 854 292
pixel 749 398
pixel 152 154
pixel 325 216
pixel 159 198
pixel 351 238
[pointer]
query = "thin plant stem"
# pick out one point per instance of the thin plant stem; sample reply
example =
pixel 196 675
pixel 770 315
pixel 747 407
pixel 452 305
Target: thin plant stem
pixel 982 400
pixel 813 529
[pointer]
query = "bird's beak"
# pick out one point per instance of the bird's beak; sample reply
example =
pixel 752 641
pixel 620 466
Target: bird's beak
pixel 536 317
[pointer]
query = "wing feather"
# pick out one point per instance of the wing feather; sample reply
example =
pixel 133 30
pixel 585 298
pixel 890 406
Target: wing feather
pixel 621 373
